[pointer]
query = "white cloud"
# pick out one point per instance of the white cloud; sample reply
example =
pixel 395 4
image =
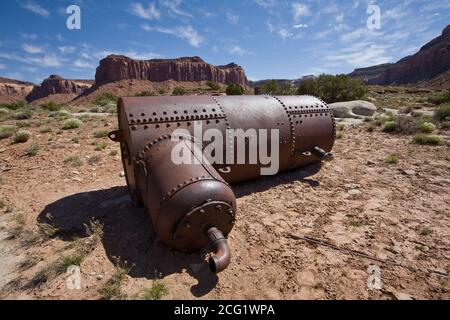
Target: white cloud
pixel 299 10
pixel 67 49
pixel 45 61
pixel 149 14
pixel 361 55
pixel 83 64
pixel 232 18
pixel 36 8
pixel 237 50
pixel 29 36
pixel 28 48
pixel 265 3
pixel 300 26
pixel 174 6
pixel 187 33
pixel 284 33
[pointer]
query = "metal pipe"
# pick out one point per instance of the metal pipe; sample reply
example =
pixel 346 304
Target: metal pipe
pixel 222 254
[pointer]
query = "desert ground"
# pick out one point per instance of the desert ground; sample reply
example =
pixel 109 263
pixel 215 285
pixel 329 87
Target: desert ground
pixel 305 234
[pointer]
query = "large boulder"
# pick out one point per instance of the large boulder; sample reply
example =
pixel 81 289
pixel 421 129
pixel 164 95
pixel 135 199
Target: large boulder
pixel 357 109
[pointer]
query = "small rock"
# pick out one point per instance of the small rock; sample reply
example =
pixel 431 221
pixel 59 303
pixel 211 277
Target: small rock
pixel 354 192
pixel 401 295
pixel 77 179
pixel 99 277
pixel 351 186
pixel 370 163
pixel 122 174
pixel 409 172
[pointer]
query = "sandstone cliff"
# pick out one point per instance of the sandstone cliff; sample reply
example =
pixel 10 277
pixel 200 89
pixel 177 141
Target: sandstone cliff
pixel 15 88
pixel 432 60
pixel 189 69
pixel 57 85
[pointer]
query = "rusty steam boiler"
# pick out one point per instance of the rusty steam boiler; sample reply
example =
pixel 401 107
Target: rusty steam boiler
pixel 192 205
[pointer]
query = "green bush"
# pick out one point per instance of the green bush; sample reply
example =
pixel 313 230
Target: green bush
pixel 235 89
pixel 103 133
pixel 23 115
pixel 443 97
pixel 7 131
pixel 14 105
pixel 22 136
pixel 101 146
pixel 146 93
pixel 72 124
pixel 426 127
pixel 213 85
pixel 32 150
pixel 442 113
pixel 390 127
pixel 334 88
pixel 61 114
pixel 74 161
pixel 272 87
pixel 156 292
pixel 424 139
pixel 52 106
pixel 391 159
pixel 178 91
pixel 105 98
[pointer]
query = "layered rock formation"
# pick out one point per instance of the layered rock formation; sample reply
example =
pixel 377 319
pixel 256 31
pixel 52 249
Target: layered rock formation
pixel 432 60
pixel 57 85
pixel 19 89
pixel 115 68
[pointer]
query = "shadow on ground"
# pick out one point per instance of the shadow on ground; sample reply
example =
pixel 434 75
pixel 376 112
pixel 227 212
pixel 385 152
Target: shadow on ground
pixel 128 234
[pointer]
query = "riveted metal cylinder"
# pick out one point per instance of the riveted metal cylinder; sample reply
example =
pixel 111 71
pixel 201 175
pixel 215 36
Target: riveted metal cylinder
pixel 190 204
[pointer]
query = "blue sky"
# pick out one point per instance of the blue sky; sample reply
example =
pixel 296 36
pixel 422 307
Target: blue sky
pixel 269 38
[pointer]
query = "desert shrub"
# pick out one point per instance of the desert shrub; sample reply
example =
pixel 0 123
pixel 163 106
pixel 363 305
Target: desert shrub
pixel 23 115
pixel 100 146
pixel 74 161
pixel 67 261
pixel 440 98
pixel 14 105
pixel 3 111
pixel 145 93
pixel 105 98
pixel 178 91
pixel 45 130
pixel 113 153
pixel 430 140
pixel 72 124
pixel 162 91
pixel 272 87
pixel 32 150
pixel 61 114
pixel 112 289
pixel 101 133
pixel 22 136
pixel 443 112
pixel 52 106
pixel 390 126
pixel 334 88
pixel 213 85
pixel 426 127
pixel 156 291
pixel 339 136
pixel 391 159
pixel 7 131
pixel 235 89
pixel 96 158
pixel 445 125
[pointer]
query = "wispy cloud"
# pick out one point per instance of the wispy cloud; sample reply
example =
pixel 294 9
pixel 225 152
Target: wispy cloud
pixel 233 18
pixel 187 33
pixel 299 10
pixel 236 50
pixel 148 13
pixel 174 7
pixel 29 36
pixel 36 8
pixel 2 66
pixel 32 49
pixel 266 3
pixel 82 64
pixel 67 49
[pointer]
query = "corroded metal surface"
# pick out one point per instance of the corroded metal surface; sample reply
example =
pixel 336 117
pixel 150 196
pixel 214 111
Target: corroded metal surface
pixel 190 205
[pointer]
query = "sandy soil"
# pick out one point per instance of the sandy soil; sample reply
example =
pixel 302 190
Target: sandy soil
pixel 301 235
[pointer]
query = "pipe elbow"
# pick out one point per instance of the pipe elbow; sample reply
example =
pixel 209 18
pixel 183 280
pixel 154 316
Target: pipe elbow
pixel 222 255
